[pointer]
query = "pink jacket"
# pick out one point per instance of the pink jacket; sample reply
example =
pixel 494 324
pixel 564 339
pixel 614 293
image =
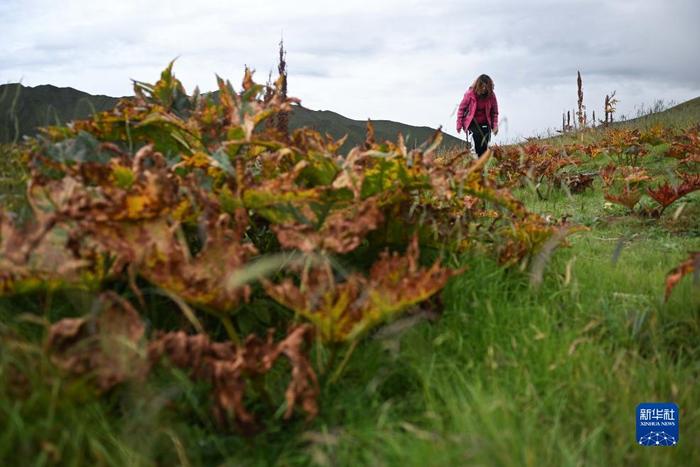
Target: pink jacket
pixel 467 109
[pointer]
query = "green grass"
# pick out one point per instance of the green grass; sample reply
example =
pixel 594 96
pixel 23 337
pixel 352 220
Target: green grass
pixel 13 176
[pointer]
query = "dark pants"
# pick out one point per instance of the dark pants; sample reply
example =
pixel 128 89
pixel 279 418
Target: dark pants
pixel 481 135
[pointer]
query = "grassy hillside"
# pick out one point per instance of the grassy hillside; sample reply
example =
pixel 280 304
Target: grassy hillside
pixel 683 115
pixel 23 109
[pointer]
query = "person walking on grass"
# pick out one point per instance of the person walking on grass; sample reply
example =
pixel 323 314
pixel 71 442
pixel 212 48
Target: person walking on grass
pixel 478 113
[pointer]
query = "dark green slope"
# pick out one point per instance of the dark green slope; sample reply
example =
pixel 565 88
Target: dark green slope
pixel 682 115
pixel 23 109
pixel 336 125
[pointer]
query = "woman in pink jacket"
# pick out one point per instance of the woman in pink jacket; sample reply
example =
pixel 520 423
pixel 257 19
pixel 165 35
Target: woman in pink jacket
pixel 478 113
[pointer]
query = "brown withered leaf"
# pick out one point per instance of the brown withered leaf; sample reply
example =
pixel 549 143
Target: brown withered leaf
pixel 524 237
pixel 80 219
pixel 147 191
pixel 201 279
pixel 308 140
pixel 628 197
pixel 352 173
pixel 100 346
pixel 607 174
pixel 633 176
pixel 241 114
pixel 303 386
pixel 577 183
pixel 36 256
pixel 692 264
pixel 667 194
pixel 157 250
pixel 340 232
pixel 272 197
pixel 228 368
pixel 686 147
pixel 343 311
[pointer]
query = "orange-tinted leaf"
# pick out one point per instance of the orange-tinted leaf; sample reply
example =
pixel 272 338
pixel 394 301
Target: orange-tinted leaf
pixel 628 197
pixel 228 368
pixel 692 264
pixel 341 231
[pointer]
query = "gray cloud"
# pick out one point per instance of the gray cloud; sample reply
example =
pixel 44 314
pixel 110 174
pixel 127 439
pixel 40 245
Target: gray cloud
pixel 406 60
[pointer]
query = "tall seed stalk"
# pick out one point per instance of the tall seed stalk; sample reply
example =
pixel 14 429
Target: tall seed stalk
pixel 269 94
pixel 581 108
pixel 610 103
pixel 283 117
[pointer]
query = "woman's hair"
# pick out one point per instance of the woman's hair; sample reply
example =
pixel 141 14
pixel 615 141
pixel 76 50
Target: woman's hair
pixel 483 85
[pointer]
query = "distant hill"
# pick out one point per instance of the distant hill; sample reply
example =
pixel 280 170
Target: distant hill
pixel 336 125
pixel 681 115
pixel 24 109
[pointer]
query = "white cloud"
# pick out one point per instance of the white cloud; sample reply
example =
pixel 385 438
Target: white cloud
pixel 408 61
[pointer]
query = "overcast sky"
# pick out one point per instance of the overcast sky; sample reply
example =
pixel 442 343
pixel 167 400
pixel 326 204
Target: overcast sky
pixel 402 60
